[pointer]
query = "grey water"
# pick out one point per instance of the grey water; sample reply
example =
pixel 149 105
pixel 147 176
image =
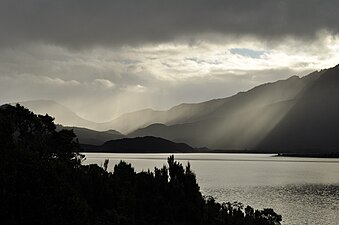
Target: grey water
pixel 302 190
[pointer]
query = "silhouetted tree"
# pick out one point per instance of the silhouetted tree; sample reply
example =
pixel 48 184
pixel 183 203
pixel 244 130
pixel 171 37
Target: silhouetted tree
pixel 106 164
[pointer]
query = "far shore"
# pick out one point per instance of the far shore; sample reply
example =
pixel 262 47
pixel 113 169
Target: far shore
pixel 309 155
pixel 223 151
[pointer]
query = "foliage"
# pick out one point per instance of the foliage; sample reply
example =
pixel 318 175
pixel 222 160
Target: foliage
pixel 43 182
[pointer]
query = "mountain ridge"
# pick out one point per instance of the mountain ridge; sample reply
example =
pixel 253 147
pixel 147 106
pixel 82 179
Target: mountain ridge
pixel 246 120
pixel 152 116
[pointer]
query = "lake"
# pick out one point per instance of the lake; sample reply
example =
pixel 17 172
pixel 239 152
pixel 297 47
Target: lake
pixel 302 190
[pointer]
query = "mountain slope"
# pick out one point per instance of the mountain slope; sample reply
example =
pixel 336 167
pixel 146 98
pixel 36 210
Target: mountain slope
pixel 127 122
pixel 191 113
pixel 182 113
pixel 296 113
pixel 313 122
pixel 62 114
pixel 299 113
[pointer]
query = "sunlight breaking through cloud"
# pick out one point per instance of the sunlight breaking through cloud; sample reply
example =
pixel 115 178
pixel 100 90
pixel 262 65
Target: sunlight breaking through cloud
pixel 166 73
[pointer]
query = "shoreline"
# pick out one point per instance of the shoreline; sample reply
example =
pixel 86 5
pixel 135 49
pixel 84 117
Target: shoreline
pixel 275 154
pixel 309 155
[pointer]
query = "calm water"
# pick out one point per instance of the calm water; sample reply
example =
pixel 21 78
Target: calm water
pixel 303 190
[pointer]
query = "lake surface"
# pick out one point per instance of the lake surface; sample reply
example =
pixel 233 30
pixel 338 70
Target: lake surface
pixel 302 190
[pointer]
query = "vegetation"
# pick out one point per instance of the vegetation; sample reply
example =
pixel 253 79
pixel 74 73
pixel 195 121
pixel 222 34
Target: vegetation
pixel 43 182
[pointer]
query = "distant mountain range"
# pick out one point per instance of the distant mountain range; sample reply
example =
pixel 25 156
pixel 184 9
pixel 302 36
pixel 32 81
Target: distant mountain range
pixel 62 114
pixel 239 122
pixel 296 114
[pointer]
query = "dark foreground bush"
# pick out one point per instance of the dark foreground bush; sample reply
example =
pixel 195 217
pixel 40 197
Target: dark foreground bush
pixel 43 182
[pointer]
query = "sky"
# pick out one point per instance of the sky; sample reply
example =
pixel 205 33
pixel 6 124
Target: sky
pixel 104 58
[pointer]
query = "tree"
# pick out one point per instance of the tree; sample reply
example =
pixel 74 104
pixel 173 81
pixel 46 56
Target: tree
pixel 22 129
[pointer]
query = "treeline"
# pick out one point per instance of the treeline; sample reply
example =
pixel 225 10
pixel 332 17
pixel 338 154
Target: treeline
pixel 43 182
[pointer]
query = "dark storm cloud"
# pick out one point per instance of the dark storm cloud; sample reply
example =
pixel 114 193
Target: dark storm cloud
pixel 79 23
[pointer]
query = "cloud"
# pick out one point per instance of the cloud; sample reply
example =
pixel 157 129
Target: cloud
pixel 85 23
pixel 104 83
pixel 107 57
pixel 58 81
pixel 135 88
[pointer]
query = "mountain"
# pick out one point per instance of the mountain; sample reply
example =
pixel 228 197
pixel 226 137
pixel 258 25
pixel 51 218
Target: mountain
pixel 312 124
pixel 67 119
pixel 92 137
pixel 140 145
pixel 182 113
pixel 195 112
pixel 62 114
pixel 127 122
pixel 296 114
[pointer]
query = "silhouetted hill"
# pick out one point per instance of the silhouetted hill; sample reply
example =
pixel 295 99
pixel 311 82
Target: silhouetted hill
pixel 140 145
pixel 92 137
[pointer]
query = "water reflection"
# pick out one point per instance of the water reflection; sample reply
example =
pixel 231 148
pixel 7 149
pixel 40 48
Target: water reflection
pixel 303 190
pixel 299 204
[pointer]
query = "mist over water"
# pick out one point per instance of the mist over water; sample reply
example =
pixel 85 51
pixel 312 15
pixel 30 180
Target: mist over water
pixel 303 190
